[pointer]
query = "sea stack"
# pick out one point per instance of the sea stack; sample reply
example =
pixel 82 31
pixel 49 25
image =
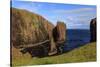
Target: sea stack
pixel 93 30
pixel 59 32
pixel 58 38
pixel 59 35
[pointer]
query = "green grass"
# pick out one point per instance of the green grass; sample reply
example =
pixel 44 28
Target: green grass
pixel 83 54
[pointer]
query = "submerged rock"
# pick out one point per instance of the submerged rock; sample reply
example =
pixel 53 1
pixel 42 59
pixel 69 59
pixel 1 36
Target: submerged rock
pixel 93 30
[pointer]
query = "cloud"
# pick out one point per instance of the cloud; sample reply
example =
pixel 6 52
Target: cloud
pixel 76 19
pixel 77 26
pixel 79 10
pixel 80 15
pixel 80 18
pixel 74 22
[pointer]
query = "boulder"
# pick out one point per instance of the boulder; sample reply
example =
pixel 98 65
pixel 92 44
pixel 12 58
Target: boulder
pixel 93 30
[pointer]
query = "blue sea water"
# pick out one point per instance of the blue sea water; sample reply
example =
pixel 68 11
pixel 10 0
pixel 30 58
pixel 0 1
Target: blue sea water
pixel 76 38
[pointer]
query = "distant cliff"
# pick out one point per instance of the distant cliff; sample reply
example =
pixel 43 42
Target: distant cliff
pixel 93 29
pixel 29 29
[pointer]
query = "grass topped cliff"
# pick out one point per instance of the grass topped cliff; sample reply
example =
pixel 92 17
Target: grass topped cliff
pixel 83 54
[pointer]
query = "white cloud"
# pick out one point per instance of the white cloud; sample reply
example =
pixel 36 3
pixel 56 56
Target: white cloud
pixel 74 10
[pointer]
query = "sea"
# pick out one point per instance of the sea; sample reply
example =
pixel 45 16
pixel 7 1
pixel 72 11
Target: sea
pixel 76 38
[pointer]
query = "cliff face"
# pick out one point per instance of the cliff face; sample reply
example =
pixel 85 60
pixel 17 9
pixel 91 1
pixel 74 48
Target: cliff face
pixel 93 30
pixel 32 29
pixel 28 28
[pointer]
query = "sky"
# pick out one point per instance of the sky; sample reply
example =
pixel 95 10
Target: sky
pixel 75 16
